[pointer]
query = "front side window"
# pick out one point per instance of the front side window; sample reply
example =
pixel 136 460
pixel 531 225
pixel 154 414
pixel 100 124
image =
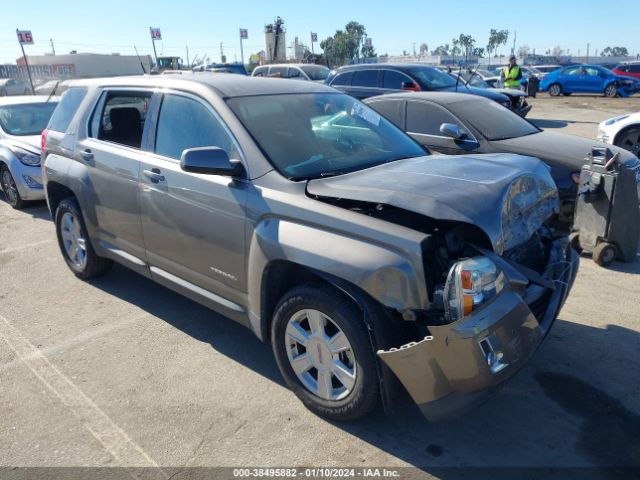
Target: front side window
pixel 394 80
pixel 321 134
pixel 432 78
pixel 121 118
pixel 186 123
pixel 426 118
pixel 25 119
pixel 278 72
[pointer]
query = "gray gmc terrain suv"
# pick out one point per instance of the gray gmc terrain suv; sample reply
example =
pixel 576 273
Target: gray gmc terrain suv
pixel 306 216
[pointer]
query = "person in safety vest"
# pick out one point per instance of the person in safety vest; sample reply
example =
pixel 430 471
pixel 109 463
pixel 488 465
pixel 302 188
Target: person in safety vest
pixel 511 75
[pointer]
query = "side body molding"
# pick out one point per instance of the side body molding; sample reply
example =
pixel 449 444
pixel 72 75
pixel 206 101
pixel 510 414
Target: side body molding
pixel 384 274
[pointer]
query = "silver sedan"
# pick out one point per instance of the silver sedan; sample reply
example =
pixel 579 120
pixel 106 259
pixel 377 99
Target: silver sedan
pixel 22 120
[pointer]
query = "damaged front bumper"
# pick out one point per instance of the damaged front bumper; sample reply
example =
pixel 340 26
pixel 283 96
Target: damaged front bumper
pixel 458 365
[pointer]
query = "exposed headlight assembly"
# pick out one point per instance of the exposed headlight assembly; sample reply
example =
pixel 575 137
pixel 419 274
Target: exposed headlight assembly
pixel 26 157
pixel 471 283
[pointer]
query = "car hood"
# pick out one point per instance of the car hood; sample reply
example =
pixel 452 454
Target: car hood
pixel 492 93
pixel 506 196
pixel 557 149
pixel 28 142
pixel 510 92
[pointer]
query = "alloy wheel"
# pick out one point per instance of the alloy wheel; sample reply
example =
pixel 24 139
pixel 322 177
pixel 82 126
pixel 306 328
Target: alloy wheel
pixel 320 354
pixel 611 91
pixel 630 140
pixel 74 243
pixel 555 90
pixel 9 187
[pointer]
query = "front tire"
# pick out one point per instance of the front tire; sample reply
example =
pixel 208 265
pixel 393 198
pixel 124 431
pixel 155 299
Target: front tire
pixel 604 254
pixel 10 189
pixel 555 90
pixel 75 243
pixel 611 91
pixel 323 350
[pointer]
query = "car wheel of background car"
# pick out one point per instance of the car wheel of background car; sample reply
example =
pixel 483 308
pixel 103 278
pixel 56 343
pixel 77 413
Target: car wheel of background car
pixel 555 90
pixel 75 243
pixel 604 253
pixel 574 241
pixel 629 139
pixel 611 91
pixel 324 352
pixel 3 93
pixel 9 188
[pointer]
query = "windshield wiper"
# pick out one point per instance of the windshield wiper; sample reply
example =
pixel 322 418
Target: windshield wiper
pixel 55 87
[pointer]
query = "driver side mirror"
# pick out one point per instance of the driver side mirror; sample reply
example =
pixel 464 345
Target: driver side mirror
pixel 452 130
pixel 211 161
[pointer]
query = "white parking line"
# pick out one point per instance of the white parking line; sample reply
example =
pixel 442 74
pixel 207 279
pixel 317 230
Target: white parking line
pixel 25 246
pixel 111 436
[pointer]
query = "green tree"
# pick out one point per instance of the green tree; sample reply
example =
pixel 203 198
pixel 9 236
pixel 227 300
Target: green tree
pixel 466 43
pixel 424 49
pixel 614 52
pixel 346 45
pixel 496 39
pixel 442 50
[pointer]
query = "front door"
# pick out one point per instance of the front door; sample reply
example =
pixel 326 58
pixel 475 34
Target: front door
pixel 193 224
pixel 424 120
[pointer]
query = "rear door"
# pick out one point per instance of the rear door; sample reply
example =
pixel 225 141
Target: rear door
pixel 193 224
pixel 392 81
pixel 112 154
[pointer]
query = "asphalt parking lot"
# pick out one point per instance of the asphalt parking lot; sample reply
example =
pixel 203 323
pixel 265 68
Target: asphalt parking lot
pixel 123 372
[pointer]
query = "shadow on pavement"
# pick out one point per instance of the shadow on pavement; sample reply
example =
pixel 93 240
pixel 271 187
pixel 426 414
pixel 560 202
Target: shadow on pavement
pixel 575 404
pixel 36 209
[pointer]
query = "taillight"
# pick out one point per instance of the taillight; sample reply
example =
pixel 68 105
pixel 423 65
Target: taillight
pixel 43 139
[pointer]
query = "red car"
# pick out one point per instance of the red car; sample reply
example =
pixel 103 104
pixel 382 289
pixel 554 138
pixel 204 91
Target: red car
pixel 628 69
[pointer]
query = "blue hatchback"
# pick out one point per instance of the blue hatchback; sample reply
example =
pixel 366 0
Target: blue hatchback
pixel 588 79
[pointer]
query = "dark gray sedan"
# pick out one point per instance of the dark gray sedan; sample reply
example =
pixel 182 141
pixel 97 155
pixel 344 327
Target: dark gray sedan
pixel 454 123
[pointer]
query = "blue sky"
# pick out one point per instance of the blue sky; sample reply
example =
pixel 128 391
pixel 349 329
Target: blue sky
pixel 117 25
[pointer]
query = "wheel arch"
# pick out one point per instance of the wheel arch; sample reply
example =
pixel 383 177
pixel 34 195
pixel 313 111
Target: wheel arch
pixel 617 136
pixel 56 193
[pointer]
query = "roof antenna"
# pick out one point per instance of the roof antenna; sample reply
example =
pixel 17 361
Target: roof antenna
pixel 458 77
pixel 144 72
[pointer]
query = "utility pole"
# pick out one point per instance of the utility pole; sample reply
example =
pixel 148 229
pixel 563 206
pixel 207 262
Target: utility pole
pixel 588 53
pixel 53 49
pixel 513 50
pixel 223 59
pixel 188 64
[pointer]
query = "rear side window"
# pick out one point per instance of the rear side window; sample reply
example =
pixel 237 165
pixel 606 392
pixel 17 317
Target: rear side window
pixel 278 72
pixel 392 110
pixel 365 78
pixel 426 118
pixel 342 79
pixel 186 123
pixel 120 118
pixel 67 108
pixel 260 71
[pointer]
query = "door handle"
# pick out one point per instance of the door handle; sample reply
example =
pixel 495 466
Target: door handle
pixel 154 175
pixel 87 155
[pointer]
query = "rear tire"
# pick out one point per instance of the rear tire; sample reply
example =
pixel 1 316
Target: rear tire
pixel 75 243
pixel 555 89
pixel 341 340
pixel 10 189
